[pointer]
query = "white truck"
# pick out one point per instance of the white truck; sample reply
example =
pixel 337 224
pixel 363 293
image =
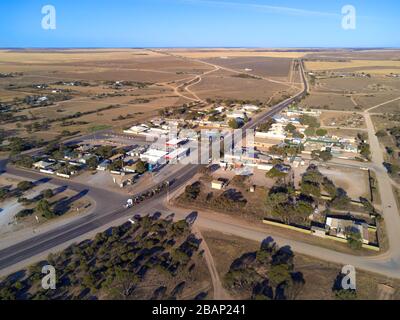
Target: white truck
pixel 129 204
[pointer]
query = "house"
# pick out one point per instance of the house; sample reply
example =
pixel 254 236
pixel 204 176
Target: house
pixel 116 157
pixel 280 118
pixel 43 165
pixel 236 114
pixel 123 180
pixel 136 151
pixel 137 129
pixel 84 148
pixel 103 165
pixel 85 158
pixel 158 122
pixel 131 167
pixel 350 148
pixel 340 227
pixel 251 108
pixel 217 185
pixel 219 109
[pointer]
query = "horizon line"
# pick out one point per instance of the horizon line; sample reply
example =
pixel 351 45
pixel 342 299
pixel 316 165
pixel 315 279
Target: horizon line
pixel 206 47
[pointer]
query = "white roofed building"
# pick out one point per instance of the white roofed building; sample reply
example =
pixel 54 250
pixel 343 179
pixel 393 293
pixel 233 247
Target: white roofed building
pixel 154 156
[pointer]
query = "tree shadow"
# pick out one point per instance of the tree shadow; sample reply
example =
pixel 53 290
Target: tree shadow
pixel 41 181
pixel 59 190
pixel 284 255
pixel 201 296
pixel 244 260
pixel 63 206
pixel 192 217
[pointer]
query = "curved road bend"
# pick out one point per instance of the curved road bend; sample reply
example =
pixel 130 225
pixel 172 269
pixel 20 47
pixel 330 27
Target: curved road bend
pixel 103 216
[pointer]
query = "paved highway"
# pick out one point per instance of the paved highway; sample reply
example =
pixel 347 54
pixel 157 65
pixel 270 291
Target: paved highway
pixel 109 207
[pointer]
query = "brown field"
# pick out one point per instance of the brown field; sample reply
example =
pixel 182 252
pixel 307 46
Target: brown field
pixel 216 53
pixel 370 101
pixel 224 85
pixel 345 133
pixel 135 65
pixel 382 121
pixel 332 65
pixel 393 107
pixel 358 85
pixel 328 102
pixel 377 71
pixel 340 119
pixel 319 275
pixel 264 67
pixel 355 54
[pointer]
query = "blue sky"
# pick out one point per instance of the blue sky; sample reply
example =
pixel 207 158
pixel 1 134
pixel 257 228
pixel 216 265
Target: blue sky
pixel 199 23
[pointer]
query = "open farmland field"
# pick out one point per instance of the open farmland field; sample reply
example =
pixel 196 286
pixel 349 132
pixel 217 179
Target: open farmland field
pixel 383 102
pixel 329 102
pixel 134 65
pixel 216 53
pixel 384 121
pixel 339 119
pixel 348 64
pixel 344 132
pixel 226 85
pixel 358 85
pixel 355 54
pixel 260 66
pixel 393 107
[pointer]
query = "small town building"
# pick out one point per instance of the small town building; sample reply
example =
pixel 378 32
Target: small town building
pixel 177 154
pixel 137 129
pixel 43 164
pixel 176 142
pixel 103 165
pixel 116 157
pixel 236 114
pixel 250 108
pixel 154 156
pixel 339 227
pixel 217 185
